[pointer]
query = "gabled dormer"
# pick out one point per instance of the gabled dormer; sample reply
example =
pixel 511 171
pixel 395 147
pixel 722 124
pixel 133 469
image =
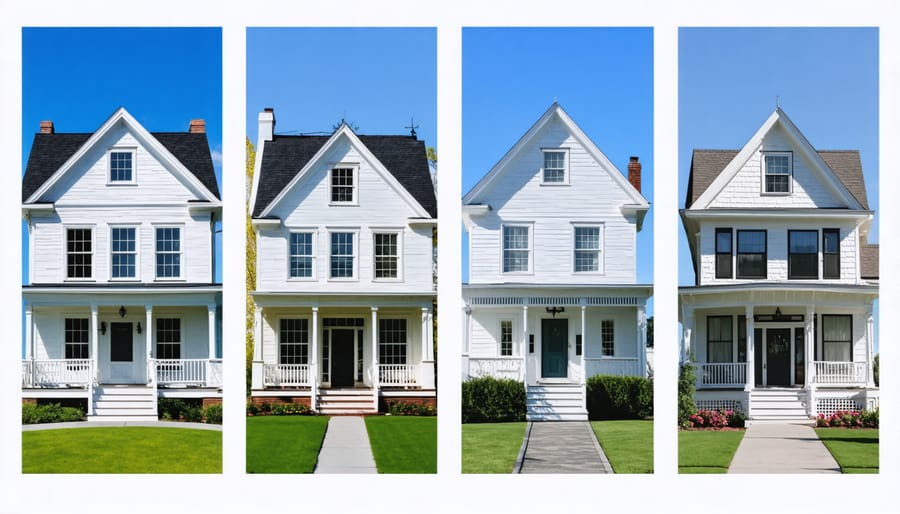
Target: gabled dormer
pixel 554 209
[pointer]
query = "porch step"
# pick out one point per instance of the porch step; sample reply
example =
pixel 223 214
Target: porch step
pixel 124 403
pixel 555 402
pixel 778 405
pixel 346 401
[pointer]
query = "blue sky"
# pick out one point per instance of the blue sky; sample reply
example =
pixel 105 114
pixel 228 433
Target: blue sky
pixel 77 77
pixel 602 77
pixel 378 79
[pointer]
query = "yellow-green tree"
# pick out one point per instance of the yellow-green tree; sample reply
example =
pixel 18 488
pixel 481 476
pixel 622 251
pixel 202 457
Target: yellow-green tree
pixel 251 262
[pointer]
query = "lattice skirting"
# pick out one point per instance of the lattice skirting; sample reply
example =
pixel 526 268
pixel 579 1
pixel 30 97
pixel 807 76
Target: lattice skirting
pixel 829 406
pixel 734 405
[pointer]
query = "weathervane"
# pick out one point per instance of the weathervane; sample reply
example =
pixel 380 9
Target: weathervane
pixel 412 127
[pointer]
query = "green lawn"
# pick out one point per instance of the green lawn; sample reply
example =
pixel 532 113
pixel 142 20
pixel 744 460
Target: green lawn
pixel 707 451
pixel 491 447
pixel 122 450
pixel 628 444
pixel 284 444
pixel 856 450
pixel 403 444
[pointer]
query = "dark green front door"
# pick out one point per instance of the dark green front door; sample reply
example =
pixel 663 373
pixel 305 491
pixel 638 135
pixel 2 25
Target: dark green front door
pixel 778 357
pixel 342 358
pixel 554 348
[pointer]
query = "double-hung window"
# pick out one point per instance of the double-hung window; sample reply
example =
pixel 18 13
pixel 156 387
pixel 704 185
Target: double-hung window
pixel 837 337
pixel 777 172
pixel 293 341
pixel 506 338
pixel 343 184
pixel 168 338
pixel 588 249
pixel 121 166
pixel 719 339
pixel 803 254
pixel 516 249
pixel 391 341
pixel 79 253
pixel 608 338
pixel 751 254
pixel 554 170
pixel 723 253
pixel 168 252
pixel 387 255
pixel 343 256
pixel 831 253
pixel 301 255
pixel 76 338
pixel 123 252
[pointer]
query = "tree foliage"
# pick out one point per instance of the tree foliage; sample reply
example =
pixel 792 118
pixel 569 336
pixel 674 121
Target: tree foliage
pixel 251 264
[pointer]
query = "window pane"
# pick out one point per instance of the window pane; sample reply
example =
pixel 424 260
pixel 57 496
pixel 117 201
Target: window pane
pixel 554 167
pixel 515 249
pixel 123 252
pixel 751 254
pixel 168 252
pixel 587 248
pixel 607 338
pixel 78 253
pixel 506 337
pixel 293 341
pixel 803 241
pixel 723 241
pixel 831 256
pixel 120 166
pixel 341 254
pixel 392 341
pixel 301 254
pixel 385 255
pixel 751 241
pixel 342 185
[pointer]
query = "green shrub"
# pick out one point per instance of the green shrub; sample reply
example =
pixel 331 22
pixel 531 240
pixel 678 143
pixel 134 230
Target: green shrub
pixel 252 409
pixel 615 397
pixel 170 409
pixel 288 409
pixel 875 367
pixel 213 413
pixel 491 400
pixel 401 408
pixel 687 378
pixel 49 413
pixel 192 414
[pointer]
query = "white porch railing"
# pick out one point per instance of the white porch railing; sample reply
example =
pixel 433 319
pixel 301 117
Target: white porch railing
pixel 397 374
pixel 841 373
pixel 214 373
pixel 56 373
pixel 497 367
pixel 721 374
pixel 187 372
pixel 620 366
pixel 291 375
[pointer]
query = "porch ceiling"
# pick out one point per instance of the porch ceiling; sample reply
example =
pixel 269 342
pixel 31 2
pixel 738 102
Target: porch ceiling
pixel 780 294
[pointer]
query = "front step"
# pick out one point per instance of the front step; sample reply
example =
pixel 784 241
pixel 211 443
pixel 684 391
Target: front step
pixel 778 405
pixel 555 402
pixel 346 401
pixel 124 403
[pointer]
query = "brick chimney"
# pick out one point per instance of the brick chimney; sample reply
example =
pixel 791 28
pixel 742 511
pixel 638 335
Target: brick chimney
pixel 634 173
pixel 197 127
pixel 47 127
pixel 266 124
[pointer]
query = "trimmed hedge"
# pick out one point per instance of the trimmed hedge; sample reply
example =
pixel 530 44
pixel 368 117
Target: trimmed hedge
pixel 49 413
pixel 614 397
pixel 492 400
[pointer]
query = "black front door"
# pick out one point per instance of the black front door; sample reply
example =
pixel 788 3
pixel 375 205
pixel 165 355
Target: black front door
pixel 778 357
pixel 121 348
pixel 342 358
pixel 554 348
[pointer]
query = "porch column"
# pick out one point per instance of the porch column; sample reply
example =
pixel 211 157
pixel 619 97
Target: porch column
pixel 148 343
pixel 29 333
pixel 314 361
pixel 751 350
pixel 525 342
pixel 467 334
pixel 375 377
pixel 809 362
pixel 870 346
pixel 583 352
pixel 425 369
pixel 687 329
pixel 95 345
pixel 257 379
pixel 211 352
pixel 425 333
pixel 642 339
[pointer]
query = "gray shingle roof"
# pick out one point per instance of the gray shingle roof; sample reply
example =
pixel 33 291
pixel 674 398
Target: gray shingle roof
pixel 868 256
pixel 50 151
pixel 403 156
pixel 706 165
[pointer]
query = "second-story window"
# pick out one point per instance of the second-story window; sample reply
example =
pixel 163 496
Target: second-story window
pixel 301 255
pixel 777 168
pixel 342 254
pixel 343 185
pixel 168 252
pixel 554 171
pixel 803 254
pixel 587 249
pixel 121 166
pixel 387 255
pixel 723 253
pixel 79 252
pixel 516 249
pixel 831 253
pixel 123 252
pixel 751 254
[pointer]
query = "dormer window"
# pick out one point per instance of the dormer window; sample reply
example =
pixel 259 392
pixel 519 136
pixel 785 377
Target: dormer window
pixel 777 169
pixel 343 185
pixel 555 167
pixel 121 166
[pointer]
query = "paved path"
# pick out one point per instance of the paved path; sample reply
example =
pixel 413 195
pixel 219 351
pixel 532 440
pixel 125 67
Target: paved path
pixel 782 448
pixel 346 447
pixel 98 424
pixel 561 447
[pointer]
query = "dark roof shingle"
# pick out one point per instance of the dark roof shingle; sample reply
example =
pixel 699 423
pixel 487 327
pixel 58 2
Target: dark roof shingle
pixel 404 157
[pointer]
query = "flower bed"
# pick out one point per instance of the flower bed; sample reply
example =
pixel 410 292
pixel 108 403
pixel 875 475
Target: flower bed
pixel 716 419
pixel 849 419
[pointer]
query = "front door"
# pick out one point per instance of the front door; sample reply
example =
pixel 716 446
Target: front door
pixel 778 357
pixel 554 348
pixel 121 353
pixel 342 358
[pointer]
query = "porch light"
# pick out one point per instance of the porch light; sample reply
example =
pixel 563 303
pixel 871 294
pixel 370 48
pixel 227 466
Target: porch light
pixel 555 310
pixel 777 313
pixel 122 311
pixel 103 328
pixel 139 327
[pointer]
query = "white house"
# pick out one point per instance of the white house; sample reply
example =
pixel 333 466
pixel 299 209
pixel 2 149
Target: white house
pixel 121 305
pixel 779 322
pixel 552 296
pixel 344 279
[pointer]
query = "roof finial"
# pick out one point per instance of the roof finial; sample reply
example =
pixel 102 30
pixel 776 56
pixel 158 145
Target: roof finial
pixel 555 100
pixel 412 127
pixel 777 106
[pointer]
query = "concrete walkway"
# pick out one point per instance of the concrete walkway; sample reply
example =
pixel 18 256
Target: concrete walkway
pixel 346 447
pixel 782 448
pixel 98 424
pixel 561 447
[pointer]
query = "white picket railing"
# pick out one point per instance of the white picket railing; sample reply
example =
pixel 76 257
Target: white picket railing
pixel 286 375
pixel 497 367
pixel 56 373
pixel 620 366
pixel 181 371
pixel 841 373
pixel 721 374
pixel 214 373
pixel 397 374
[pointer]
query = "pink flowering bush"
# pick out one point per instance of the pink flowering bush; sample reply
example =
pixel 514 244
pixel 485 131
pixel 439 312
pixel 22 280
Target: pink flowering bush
pixel 849 419
pixel 716 419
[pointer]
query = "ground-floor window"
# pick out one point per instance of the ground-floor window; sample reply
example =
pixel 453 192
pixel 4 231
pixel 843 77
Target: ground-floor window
pixel 392 341
pixel 719 338
pixel 293 341
pixel 608 338
pixel 837 337
pixel 76 338
pixel 506 337
pixel 168 338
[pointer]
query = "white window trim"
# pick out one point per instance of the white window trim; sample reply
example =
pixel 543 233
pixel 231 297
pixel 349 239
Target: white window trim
pixel 315 246
pixel 128 149
pixel 790 156
pixel 355 187
pixel 137 252
pixel 181 332
pixel 181 244
pixel 566 167
pixel 355 232
pixel 399 234
pixel 601 261
pixel 512 332
pixel 530 227
pixel 65 253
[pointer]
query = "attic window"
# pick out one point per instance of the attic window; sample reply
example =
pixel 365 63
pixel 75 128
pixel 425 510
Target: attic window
pixel 777 170
pixel 555 167
pixel 121 167
pixel 343 185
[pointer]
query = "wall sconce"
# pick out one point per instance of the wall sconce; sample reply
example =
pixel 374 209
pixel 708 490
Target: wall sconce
pixel 778 315
pixel 122 311
pixel 555 310
pixel 139 327
pixel 103 328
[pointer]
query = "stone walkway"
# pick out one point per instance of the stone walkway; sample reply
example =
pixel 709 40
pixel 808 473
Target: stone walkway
pixel 782 448
pixel 346 447
pixel 561 447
